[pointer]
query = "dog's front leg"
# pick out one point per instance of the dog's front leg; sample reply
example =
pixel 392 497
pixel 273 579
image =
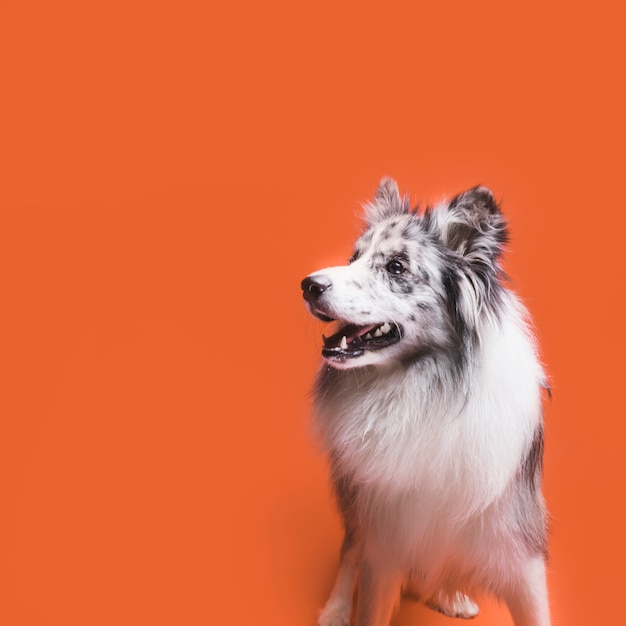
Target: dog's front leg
pixel 527 597
pixel 379 593
pixel 339 606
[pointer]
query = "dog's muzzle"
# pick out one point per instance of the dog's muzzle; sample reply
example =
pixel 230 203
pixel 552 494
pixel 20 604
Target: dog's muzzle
pixel 350 340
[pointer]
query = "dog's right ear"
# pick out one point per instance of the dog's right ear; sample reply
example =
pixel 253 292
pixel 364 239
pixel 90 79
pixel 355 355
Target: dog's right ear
pixel 387 202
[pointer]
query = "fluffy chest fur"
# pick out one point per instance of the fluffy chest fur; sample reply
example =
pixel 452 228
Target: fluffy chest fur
pixel 455 446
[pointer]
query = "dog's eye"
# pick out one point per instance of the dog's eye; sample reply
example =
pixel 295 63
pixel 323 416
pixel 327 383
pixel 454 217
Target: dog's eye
pixel 395 267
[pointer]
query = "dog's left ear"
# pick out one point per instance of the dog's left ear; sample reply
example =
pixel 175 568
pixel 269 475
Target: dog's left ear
pixel 471 225
pixel 387 202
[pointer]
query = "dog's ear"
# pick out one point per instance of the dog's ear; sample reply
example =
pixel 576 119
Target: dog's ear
pixel 471 225
pixel 387 202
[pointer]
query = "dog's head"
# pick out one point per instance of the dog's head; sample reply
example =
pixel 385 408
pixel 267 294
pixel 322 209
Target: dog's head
pixel 416 284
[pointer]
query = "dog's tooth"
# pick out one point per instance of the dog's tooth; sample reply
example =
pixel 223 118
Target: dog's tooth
pixel 368 336
pixel 385 328
pixel 344 343
pixel 378 333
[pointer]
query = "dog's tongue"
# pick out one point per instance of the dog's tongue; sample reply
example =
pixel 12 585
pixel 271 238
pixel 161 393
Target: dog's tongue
pixel 346 335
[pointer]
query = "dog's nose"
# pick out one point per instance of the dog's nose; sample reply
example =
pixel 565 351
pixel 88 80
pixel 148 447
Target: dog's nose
pixel 314 286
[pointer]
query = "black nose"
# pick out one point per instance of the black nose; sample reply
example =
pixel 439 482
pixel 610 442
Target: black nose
pixel 314 286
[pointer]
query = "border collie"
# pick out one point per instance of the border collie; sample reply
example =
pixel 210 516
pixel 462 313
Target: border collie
pixel 429 406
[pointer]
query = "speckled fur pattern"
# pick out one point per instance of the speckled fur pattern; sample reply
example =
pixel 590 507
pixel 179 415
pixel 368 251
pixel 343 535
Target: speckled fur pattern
pixel 434 434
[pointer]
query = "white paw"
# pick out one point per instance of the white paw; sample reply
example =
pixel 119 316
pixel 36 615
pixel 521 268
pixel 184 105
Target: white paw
pixel 334 616
pixel 457 605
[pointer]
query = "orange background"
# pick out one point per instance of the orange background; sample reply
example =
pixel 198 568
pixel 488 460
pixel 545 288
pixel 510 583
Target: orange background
pixel 169 172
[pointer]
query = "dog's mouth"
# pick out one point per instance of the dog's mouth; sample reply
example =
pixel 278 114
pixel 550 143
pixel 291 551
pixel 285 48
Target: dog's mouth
pixel 352 341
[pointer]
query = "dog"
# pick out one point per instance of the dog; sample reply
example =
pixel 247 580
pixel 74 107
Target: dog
pixel 428 404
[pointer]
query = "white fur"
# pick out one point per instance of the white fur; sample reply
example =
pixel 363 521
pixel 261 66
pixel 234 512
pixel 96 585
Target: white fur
pixel 391 429
pixel 454 456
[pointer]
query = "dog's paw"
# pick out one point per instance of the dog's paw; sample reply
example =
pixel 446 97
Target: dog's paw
pixel 456 605
pixel 334 616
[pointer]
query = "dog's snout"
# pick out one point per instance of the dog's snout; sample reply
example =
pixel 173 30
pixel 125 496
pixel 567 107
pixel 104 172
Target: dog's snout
pixel 314 286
